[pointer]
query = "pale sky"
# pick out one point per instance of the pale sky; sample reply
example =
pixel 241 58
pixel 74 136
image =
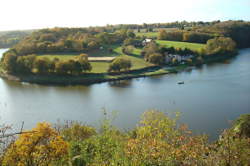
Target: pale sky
pixel 33 14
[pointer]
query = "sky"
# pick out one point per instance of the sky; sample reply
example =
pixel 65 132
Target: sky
pixel 36 14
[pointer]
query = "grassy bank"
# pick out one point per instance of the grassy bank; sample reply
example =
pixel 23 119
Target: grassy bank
pixel 182 45
pixel 88 78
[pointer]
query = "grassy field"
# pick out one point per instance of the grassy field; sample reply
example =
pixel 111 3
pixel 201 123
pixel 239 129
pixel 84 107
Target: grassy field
pixel 102 67
pixel 99 67
pixel 192 46
pixel 147 34
pixel 153 34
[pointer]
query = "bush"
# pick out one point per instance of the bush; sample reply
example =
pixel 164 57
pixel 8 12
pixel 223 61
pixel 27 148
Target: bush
pixel 75 131
pixel 156 58
pixel 150 48
pixel 221 45
pixel 39 147
pixel 128 49
pixel 119 64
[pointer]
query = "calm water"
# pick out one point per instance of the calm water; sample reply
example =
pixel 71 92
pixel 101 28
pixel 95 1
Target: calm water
pixel 211 97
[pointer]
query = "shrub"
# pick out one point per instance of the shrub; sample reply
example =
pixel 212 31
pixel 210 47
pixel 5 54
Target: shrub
pixel 156 58
pixel 39 147
pixel 128 49
pixel 119 64
pixel 220 45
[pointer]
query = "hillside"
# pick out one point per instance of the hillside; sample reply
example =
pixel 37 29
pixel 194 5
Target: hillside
pixel 10 38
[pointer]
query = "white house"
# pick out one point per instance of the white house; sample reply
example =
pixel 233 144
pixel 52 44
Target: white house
pixel 146 41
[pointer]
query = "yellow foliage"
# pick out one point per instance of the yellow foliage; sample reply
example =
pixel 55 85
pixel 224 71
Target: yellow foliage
pixel 38 147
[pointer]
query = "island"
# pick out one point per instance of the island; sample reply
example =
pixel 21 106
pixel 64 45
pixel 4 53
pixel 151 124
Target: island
pixel 70 56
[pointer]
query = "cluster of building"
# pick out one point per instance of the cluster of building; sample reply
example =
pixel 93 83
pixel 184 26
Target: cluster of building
pixel 170 57
pixel 179 58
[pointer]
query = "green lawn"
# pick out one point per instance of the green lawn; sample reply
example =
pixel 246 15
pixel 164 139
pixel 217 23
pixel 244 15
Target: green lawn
pixel 102 67
pixel 192 46
pixel 137 63
pixel 153 34
pixel 147 34
pixel 99 67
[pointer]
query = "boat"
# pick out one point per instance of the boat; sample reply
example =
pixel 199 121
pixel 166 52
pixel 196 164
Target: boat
pixel 181 82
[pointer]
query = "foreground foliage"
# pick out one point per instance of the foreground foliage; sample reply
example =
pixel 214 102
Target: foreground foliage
pixel 158 140
pixel 41 146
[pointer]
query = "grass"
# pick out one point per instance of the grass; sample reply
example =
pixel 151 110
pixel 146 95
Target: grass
pixel 137 63
pixel 157 72
pixel 137 52
pixel 192 46
pixel 147 34
pixel 102 67
pixel 99 67
pixel 153 34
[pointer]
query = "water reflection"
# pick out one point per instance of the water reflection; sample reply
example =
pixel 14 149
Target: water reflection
pixel 121 83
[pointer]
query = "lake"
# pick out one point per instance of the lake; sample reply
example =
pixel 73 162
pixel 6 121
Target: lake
pixel 212 96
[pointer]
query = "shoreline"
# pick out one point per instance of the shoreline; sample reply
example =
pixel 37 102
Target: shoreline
pixel 85 79
pixel 93 78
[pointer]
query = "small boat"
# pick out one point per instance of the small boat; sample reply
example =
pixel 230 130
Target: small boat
pixel 181 82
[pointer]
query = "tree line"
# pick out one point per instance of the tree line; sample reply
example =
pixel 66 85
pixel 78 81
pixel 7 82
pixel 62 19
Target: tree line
pixel 42 65
pixel 68 40
pixel 185 36
pixel 33 63
pixel 10 38
pixel 239 31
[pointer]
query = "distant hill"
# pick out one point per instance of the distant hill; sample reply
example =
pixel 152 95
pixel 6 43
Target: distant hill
pixel 10 38
pixel 55 40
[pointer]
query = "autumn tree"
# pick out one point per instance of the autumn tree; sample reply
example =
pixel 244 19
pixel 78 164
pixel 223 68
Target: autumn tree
pixel 82 57
pixel 220 45
pixel 120 64
pixel 149 49
pixel 9 62
pixel 156 58
pixel 25 63
pixel 42 65
pixel 128 49
pixel 130 34
pixel 39 147
pixel 162 34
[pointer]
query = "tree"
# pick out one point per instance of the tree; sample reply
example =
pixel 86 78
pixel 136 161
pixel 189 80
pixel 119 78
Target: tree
pixel 61 67
pixel 156 58
pixel 150 48
pixel 83 57
pixel 242 125
pixel 39 147
pixel 162 34
pixel 131 34
pixel 128 49
pixel 83 61
pixel 220 45
pixel 119 64
pixel 42 65
pixel 25 63
pixel 93 45
pixel 9 62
